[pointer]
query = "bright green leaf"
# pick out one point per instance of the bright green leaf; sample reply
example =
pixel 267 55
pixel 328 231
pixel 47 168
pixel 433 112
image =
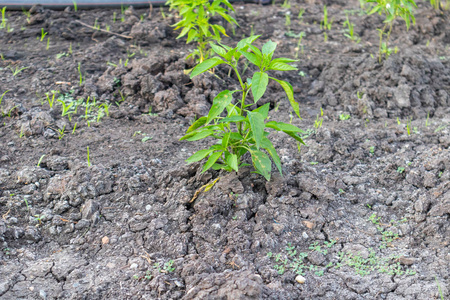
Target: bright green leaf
pixel 199 155
pixel 257 125
pixel 290 94
pixel 211 160
pixel 219 103
pixel 267 144
pixel 259 85
pixel 206 65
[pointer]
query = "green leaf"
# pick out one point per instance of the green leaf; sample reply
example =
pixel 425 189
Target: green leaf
pixel 184 32
pixel 225 139
pixel 279 66
pixel 232 119
pixel 295 136
pixel 198 135
pixel 257 125
pixel 199 155
pixel 290 94
pixel 269 48
pixel 252 58
pixel 280 126
pixel 206 65
pixel 244 43
pixel 256 51
pixel 263 110
pixel 267 144
pixel 200 122
pixel 211 160
pixel 284 60
pixel 219 103
pixel 262 163
pixel 191 35
pixel 232 161
pixel 259 85
pixel 219 50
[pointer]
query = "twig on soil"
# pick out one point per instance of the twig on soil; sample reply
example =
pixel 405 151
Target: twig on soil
pixel 5 215
pixel 63 82
pixel 103 30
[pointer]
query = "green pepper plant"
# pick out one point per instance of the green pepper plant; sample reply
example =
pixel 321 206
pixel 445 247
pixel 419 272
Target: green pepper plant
pixel 195 16
pixel 392 9
pixel 237 128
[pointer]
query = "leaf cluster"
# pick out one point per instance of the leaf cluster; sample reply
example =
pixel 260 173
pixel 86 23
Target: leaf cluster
pixel 395 8
pixel 195 22
pixel 238 129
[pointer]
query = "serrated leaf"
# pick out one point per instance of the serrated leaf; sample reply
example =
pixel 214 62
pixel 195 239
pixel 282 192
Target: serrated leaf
pixel 257 125
pixel 206 65
pixel 280 66
pixel 259 85
pixel 200 122
pixel 222 100
pixel 262 163
pixel 199 155
pixel 211 161
pixel 267 144
pixel 290 94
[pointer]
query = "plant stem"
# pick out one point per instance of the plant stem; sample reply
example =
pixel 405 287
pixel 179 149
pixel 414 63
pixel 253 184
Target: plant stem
pixel 381 40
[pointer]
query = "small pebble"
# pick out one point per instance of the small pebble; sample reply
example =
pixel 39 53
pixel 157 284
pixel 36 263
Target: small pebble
pixel 300 279
pixel 105 240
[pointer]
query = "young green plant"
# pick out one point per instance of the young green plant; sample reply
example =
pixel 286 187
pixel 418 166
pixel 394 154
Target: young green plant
pixel 195 23
pixel 350 31
pixel 242 130
pixel 392 9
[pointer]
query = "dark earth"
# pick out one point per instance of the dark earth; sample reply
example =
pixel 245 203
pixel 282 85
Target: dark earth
pixel 361 212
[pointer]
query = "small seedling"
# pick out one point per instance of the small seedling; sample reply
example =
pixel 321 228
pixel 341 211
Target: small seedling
pixel 51 99
pixel 17 70
pixel 61 132
pixel 319 120
pixel 325 24
pixel 350 31
pixel 48 43
pixel 74 128
pixel 38 218
pixel 80 74
pixel 88 158
pixel 43 34
pixel 408 126
pixel 168 267
pixel 344 117
pixel 1 98
pixel 299 44
pixel 40 160
pixel 372 149
pixel 400 170
pixel 3 23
